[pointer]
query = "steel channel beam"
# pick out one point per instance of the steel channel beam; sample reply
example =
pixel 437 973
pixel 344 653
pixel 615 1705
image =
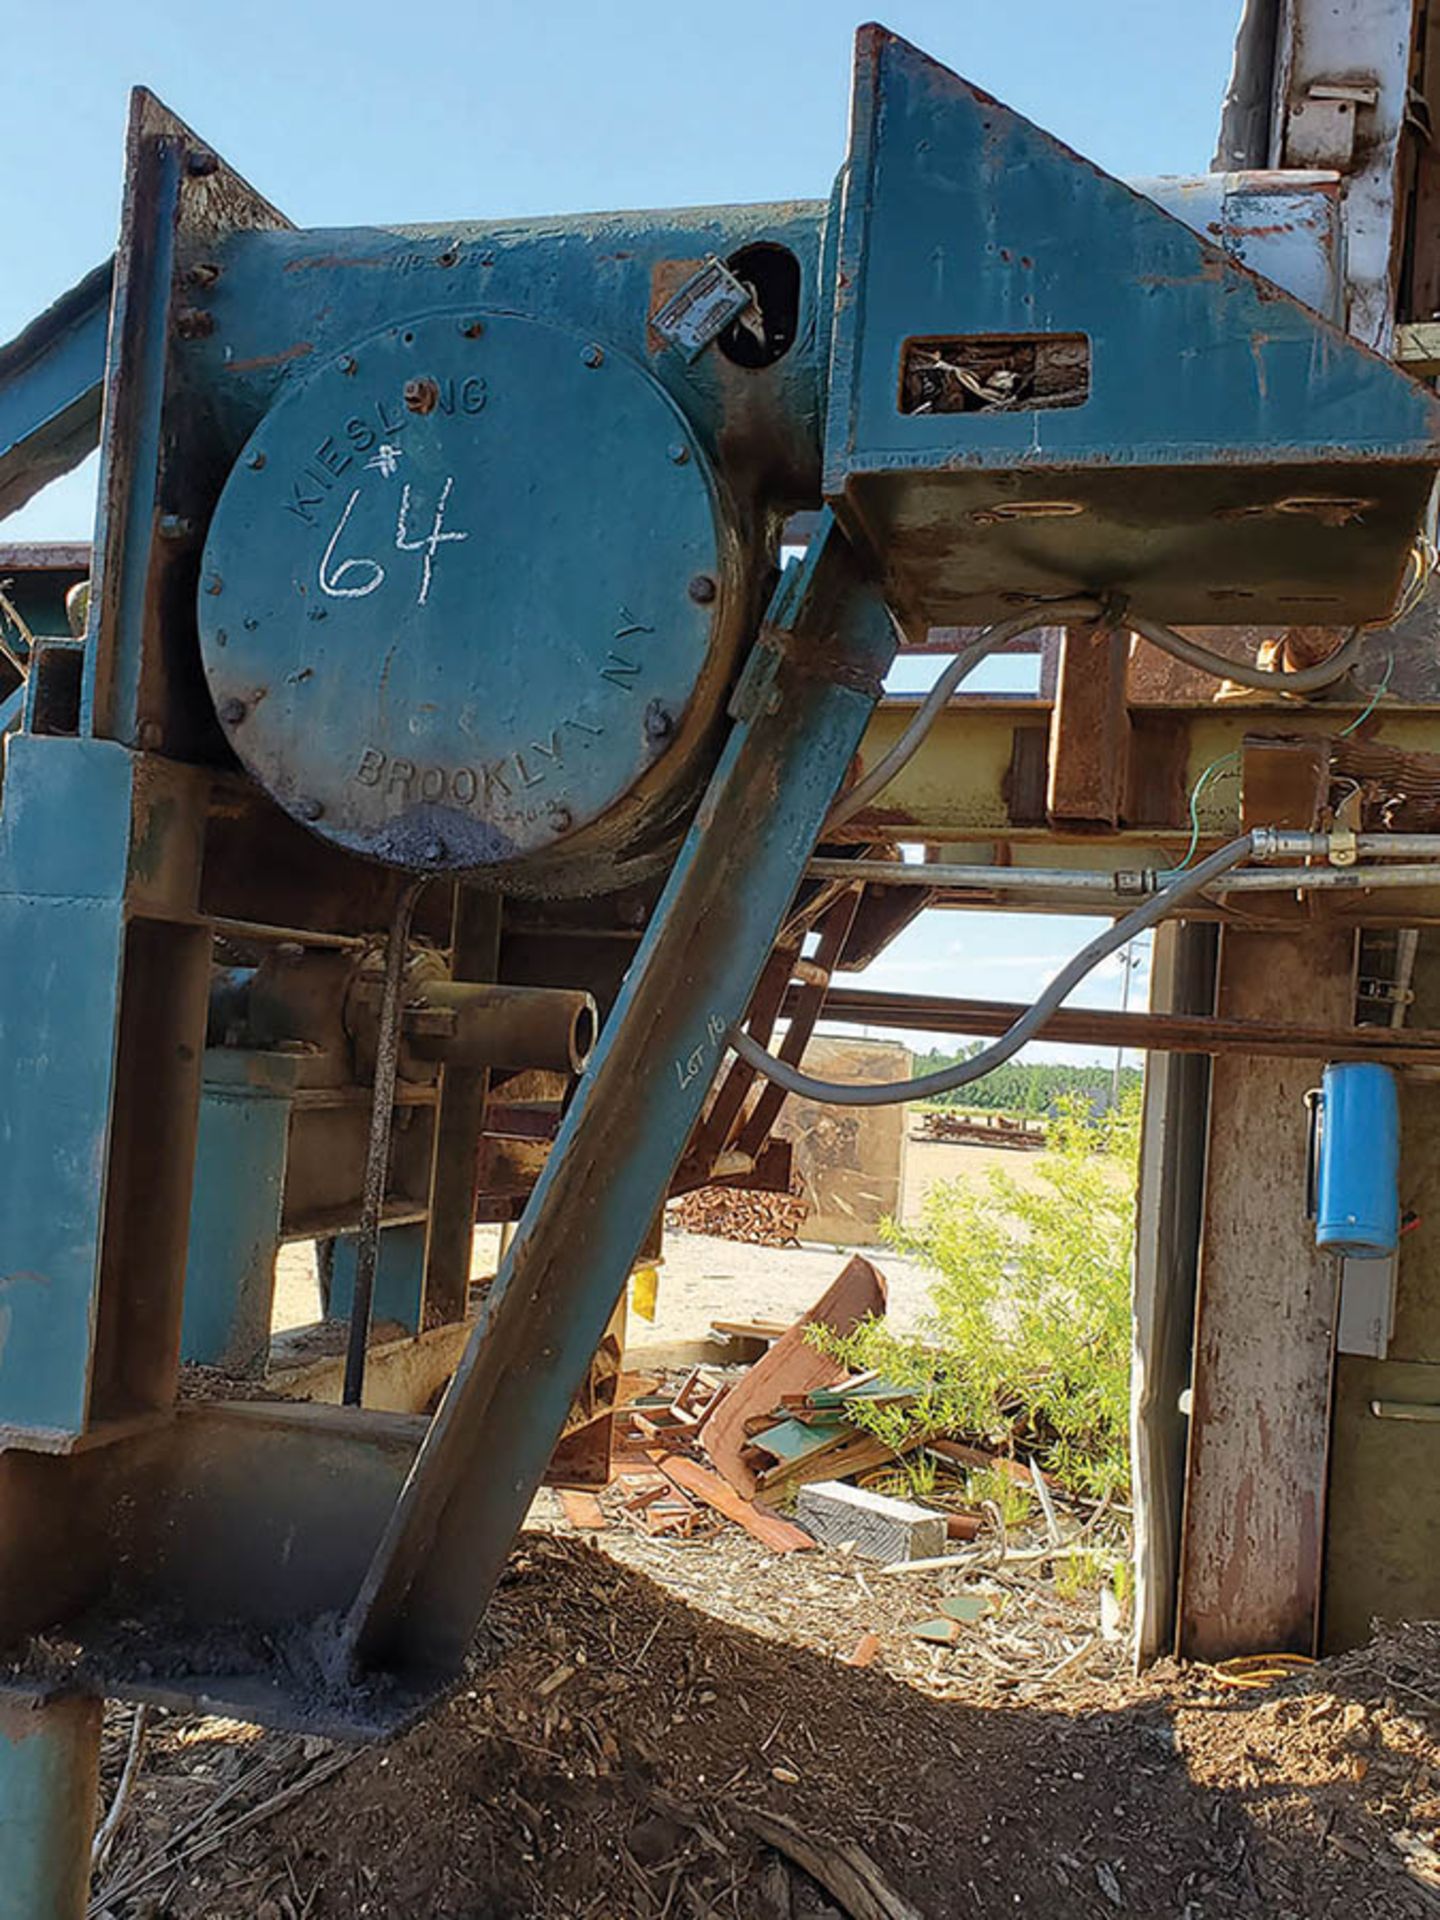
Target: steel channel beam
pixel 954 789
pixel 52 377
pixel 1153 1032
pixel 801 708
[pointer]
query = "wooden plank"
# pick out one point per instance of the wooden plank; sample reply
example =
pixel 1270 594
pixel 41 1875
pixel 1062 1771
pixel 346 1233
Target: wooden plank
pixel 791 1366
pixel 1259 1426
pixel 1090 728
pixel 781 1536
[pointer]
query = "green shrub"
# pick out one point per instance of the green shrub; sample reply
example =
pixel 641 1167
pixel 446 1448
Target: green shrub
pixel 1028 1334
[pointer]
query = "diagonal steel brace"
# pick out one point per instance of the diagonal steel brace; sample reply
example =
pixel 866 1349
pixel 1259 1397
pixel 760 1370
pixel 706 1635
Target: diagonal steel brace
pixel 800 709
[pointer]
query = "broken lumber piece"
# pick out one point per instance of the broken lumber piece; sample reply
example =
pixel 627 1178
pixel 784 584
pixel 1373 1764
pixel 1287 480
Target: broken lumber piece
pixel 791 1366
pixel 879 1527
pixel 849 1451
pixel 781 1536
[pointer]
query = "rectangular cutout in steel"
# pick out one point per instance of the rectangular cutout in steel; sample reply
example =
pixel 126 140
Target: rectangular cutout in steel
pixel 995 373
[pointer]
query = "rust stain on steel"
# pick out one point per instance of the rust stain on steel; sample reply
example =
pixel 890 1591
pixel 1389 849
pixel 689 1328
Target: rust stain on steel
pixel 297 352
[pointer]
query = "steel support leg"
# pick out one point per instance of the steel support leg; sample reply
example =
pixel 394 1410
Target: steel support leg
pixel 49 1779
pixel 800 709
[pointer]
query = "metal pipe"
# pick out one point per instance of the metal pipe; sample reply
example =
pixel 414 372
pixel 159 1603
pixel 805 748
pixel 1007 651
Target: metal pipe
pixel 1287 844
pixel 377 1146
pixel 256 930
pixel 1123 884
pixel 517 1028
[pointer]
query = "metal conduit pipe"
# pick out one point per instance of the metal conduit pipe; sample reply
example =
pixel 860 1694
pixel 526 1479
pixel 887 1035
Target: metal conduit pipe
pixel 1123 884
pixel 1055 613
pixel 1284 843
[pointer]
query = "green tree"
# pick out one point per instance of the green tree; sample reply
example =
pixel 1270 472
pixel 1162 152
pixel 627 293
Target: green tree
pixel 1027 1337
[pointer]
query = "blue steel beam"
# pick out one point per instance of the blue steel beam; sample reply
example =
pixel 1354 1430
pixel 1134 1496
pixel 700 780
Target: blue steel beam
pixel 801 708
pixel 52 378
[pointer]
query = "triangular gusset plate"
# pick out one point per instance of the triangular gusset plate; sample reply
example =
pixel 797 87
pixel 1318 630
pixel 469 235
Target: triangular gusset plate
pixel 1041 382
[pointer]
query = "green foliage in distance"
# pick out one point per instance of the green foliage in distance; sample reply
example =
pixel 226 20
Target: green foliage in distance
pixel 1027 1338
pixel 1024 1087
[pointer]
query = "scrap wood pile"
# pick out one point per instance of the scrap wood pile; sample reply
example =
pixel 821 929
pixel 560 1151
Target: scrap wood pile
pixel 709 1444
pixel 998 1130
pixel 737 1213
pixel 692 1456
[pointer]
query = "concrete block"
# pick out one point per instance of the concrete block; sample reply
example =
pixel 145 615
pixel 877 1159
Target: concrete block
pixel 881 1528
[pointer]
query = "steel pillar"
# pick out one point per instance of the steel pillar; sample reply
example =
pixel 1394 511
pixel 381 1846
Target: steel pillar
pixel 235 1208
pixel 49 1781
pixel 399 1276
pixel 801 708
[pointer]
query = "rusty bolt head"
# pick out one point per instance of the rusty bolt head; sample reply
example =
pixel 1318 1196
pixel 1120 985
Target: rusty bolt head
pixel 659 722
pixel 204 273
pixel 256 462
pixel 561 819
pixel 472 329
pixel 422 396
pixel 347 363
pixel 233 711
pixel 308 807
pixel 433 850
pixel 593 356
pixel 200 162
pixel 194 323
pixel 174 526
pixel 213 583
pixel 702 589
pixel 678 452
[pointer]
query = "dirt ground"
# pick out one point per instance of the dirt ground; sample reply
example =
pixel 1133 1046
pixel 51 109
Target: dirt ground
pixel 623 1731
pixel 639 1711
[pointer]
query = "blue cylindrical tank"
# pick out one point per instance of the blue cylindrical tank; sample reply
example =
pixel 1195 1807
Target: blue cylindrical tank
pixel 1357 1186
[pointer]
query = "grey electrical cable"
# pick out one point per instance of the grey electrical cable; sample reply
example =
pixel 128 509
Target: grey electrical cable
pixel 1057 613
pixel 849 1093
pixel 1307 680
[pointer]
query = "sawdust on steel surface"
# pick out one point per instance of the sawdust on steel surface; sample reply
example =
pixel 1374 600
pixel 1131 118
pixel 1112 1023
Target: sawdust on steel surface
pixel 609 1735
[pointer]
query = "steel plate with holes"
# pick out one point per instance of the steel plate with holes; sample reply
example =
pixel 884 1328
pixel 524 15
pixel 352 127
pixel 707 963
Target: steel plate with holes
pixel 461 594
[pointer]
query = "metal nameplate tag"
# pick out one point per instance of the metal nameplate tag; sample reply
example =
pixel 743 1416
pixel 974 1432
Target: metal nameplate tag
pixel 702 309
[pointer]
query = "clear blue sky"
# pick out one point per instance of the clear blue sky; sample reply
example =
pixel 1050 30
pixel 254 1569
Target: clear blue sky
pixel 356 113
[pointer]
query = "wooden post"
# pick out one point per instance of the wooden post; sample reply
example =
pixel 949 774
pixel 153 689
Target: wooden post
pixel 1090 728
pixel 1260 1413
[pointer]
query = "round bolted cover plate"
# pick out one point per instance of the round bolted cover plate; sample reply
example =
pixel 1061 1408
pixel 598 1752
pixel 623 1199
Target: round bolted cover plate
pixel 446 605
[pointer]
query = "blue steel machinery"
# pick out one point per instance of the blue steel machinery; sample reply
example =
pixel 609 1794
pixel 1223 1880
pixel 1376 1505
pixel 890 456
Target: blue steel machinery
pixel 436 591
